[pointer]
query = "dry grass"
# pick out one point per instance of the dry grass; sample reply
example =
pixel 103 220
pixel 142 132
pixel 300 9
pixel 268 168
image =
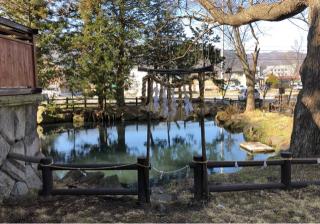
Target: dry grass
pixel 270 128
pixel 256 206
pixel 273 129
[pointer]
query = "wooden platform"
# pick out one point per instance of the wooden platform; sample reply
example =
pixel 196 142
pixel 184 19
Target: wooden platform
pixel 256 147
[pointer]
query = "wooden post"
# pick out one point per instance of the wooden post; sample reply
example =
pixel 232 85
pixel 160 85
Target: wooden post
pixel 190 90
pixel 286 169
pixel 143 181
pixel 136 101
pixel 200 178
pixel 270 108
pixel 85 102
pixel 143 94
pixel 47 178
pixel 67 102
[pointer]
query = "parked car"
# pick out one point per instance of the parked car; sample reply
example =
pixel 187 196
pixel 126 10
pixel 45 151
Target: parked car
pixel 232 87
pixel 243 94
pixel 241 87
pixel 51 92
pixel 297 86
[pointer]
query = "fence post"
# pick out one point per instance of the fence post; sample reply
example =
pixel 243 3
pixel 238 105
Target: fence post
pixel 47 178
pixel 143 181
pixel 200 178
pixel 67 102
pixel 85 102
pixel 270 107
pixel 286 169
pixel 136 101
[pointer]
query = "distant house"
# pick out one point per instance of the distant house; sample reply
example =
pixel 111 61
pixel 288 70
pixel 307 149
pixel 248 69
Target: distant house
pixel 135 88
pixel 283 72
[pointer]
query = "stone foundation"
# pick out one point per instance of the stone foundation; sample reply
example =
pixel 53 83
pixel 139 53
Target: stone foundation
pixel 18 134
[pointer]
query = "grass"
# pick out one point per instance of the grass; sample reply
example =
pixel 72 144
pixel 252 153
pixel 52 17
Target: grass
pixel 301 205
pixel 273 129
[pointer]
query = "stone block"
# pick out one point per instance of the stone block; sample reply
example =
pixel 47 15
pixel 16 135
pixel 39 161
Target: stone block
pixel 18 148
pixel 33 179
pixel 19 189
pixel 32 148
pixel 20 122
pixel 7 124
pixel 6 185
pixel 4 149
pixel 14 169
pixel 31 124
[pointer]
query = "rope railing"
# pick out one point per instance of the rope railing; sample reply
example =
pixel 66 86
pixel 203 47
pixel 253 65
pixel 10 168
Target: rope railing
pixel 142 166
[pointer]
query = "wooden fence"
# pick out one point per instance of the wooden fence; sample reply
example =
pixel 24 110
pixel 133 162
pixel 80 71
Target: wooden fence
pixel 47 167
pixel 17 58
pixel 86 102
pixel 202 188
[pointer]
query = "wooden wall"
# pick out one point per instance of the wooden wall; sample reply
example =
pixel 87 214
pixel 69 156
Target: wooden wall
pixel 17 67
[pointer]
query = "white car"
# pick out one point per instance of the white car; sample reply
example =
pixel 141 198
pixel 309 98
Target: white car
pixel 241 87
pixel 51 92
pixel 243 94
pixel 298 87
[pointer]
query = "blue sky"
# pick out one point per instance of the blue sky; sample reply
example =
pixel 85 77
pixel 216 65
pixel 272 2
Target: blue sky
pixel 276 36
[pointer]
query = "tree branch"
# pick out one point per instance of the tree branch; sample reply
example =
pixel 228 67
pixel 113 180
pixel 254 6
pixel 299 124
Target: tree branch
pixel 262 11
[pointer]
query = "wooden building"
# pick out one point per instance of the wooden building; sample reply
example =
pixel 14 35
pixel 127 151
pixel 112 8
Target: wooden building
pixel 17 59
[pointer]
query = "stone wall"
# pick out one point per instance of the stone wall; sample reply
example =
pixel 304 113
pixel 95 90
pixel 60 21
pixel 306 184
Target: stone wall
pixel 18 134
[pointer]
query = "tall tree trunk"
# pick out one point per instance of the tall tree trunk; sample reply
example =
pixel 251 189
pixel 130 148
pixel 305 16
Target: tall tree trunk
pixel 121 63
pixel 305 138
pixel 250 101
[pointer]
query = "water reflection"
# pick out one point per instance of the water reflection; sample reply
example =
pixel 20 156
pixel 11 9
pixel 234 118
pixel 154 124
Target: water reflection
pixel 172 144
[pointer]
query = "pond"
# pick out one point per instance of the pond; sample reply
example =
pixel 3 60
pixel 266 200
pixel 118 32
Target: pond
pixel 173 145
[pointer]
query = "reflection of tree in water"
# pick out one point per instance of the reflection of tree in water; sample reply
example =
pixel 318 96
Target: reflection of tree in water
pixel 106 148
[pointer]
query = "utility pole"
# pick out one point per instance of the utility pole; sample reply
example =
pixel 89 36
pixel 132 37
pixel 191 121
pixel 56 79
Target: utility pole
pixel 222 51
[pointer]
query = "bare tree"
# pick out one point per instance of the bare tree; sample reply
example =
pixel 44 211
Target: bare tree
pixel 238 36
pixel 305 136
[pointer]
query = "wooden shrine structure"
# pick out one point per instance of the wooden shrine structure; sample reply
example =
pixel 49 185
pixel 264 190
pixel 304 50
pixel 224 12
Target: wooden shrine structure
pixel 18 59
pixel 174 78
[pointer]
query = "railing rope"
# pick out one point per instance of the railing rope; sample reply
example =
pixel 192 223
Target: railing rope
pixel 142 167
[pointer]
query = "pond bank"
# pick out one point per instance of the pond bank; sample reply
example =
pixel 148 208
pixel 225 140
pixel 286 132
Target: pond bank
pixel 273 129
pixel 51 114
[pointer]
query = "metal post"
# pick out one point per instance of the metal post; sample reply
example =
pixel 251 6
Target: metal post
pixel 143 181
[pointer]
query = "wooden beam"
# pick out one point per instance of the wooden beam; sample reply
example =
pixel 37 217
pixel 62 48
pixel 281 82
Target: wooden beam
pixel 18 35
pixel 17 27
pixel 176 71
pixel 98 191
pixel 19 91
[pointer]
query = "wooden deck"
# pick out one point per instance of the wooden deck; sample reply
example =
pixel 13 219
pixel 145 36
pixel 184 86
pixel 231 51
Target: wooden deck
pixel 256 147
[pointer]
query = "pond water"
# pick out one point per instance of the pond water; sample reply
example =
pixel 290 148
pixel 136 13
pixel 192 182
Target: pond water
pixel 173 145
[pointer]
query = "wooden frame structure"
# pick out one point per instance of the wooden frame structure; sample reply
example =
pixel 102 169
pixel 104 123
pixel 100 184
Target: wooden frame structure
pixel 171 76
pixel 17 59
pixel 174 78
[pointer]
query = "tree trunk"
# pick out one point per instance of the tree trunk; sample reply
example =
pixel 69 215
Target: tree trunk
pixel 100 101
pixel 250 101
pixel 120 94
pixel 305 138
